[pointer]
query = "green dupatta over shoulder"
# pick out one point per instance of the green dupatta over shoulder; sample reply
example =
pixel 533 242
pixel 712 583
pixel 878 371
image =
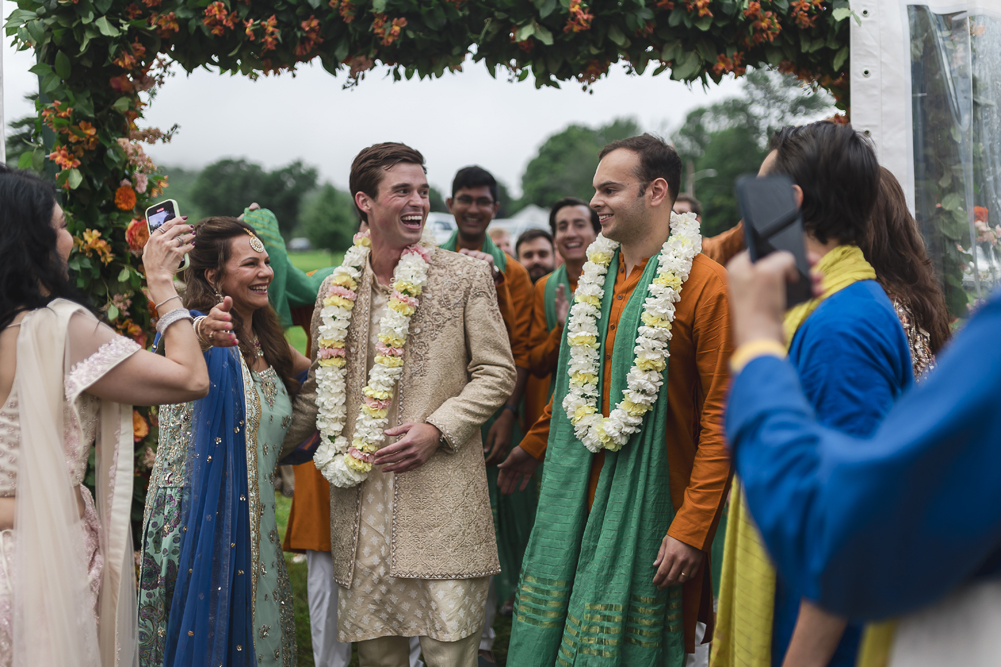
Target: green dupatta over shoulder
pixel 586 595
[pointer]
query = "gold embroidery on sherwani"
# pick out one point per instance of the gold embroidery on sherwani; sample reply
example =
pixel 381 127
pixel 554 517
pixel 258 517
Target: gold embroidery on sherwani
pixel 458 370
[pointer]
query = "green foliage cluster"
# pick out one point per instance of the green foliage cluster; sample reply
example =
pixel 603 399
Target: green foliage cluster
pixel 731 138
pixel 230 185
pixel 565 164
pixel 329 220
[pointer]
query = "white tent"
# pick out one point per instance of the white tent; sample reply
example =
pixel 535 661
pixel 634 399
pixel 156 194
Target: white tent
pixel 926 87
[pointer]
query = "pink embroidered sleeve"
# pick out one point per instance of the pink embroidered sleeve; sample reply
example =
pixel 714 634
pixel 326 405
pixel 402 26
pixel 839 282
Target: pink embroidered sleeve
pixel 94 349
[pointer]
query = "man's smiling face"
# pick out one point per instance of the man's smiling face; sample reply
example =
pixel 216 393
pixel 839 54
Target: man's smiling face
pixel 619 196
pixel 474 209
pixel 398 212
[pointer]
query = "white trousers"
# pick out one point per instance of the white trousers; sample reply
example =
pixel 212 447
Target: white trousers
pixel 488 636
pixel 322 592
pixel 701 656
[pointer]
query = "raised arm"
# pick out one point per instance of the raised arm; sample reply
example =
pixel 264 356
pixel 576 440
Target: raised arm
pixel 144 378
pixel 882 527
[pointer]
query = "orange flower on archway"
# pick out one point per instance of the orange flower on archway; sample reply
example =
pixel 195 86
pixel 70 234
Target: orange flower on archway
pixel 140 429
pixel 136 235
pixel 125 198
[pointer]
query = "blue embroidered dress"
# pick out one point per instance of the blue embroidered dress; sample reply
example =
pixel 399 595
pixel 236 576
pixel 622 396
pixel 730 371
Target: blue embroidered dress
pixel 267 415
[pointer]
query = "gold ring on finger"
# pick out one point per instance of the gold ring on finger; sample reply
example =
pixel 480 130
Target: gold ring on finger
pixel 211 335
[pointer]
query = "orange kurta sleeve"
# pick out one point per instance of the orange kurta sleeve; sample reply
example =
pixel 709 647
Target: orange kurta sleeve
pixel 519 284
pixel 537 438
pixel 543 355
pixel 722 247
pixel 700 468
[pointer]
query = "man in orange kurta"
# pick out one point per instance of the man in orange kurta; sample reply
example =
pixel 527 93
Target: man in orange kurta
pixel 696 383
pixel 569 221
pixel 474 203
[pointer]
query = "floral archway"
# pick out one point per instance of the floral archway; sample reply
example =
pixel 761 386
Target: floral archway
pixel 97 58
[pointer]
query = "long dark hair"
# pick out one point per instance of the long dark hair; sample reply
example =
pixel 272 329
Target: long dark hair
pixel 212 251
pixel 32 273
pixel 894 247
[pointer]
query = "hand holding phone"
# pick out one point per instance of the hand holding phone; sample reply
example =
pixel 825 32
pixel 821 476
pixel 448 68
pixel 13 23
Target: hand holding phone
pixel 772 221
pixel 157 215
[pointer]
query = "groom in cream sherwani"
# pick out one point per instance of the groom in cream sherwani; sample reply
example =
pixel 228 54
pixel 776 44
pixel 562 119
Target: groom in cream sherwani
pixel 413 545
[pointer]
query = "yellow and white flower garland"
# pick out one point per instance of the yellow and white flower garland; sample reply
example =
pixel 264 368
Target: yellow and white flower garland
pixel 645 377
pixel 342 462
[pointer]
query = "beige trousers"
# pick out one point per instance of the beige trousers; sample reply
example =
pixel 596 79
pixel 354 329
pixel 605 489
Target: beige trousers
pixel 395 652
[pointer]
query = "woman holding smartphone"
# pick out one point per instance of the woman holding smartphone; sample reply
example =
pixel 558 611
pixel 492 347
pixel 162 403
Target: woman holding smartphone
pixel 213 584
pixel 67 382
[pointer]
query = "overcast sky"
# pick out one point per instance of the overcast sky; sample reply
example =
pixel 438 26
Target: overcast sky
pixel 461 119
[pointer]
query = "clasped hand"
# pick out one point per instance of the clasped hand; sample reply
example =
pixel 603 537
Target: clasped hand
pixel 410 452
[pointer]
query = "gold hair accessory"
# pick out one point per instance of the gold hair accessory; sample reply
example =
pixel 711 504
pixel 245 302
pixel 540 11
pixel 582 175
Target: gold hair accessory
pixel 255 242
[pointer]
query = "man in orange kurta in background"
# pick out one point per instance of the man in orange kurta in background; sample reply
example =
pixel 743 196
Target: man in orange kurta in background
pixel 575 226
pixel 474 203
pixel 633 201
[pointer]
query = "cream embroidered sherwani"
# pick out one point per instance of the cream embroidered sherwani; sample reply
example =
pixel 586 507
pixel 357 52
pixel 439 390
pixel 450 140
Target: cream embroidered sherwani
pixel 412 552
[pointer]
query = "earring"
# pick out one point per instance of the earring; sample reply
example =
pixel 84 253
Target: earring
pixel 218 294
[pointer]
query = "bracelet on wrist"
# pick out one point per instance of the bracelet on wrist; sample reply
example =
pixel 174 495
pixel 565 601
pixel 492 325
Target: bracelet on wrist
pixel 510 406
pixel 204 344
pixel 169 298
pixel 172 317
pixel 751 350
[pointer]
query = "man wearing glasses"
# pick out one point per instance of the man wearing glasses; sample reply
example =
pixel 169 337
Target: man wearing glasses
pixel 474 203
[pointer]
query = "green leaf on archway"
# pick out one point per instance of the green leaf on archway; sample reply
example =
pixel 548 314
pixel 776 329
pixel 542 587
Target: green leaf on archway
pixel 839 58
pixel 616 35
pixel 951 201
pixel 687 66
pixel 524 32
pixel 50 83
pixel 543 35
pixel 24 162
pixel 74 179
pixel 106 28
pixel 124 275
pixel 704 23
pixel 112 312
pixel 121 105
pixel 63 67
pixel 545 7
pixel 102 6
pixel 378 6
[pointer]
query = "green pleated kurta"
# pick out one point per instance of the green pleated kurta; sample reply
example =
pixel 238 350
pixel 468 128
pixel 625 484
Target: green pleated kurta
pixel 268 416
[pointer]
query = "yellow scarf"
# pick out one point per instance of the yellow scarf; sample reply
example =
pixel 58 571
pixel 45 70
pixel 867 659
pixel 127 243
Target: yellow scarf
pixel 743 636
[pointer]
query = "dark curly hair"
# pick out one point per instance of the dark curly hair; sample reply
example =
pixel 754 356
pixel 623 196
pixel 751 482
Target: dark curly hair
pixel 32 273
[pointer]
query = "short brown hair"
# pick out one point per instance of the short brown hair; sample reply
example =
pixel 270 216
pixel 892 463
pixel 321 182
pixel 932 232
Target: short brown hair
pixel 370 164
pixel 657 160
pixel 694 205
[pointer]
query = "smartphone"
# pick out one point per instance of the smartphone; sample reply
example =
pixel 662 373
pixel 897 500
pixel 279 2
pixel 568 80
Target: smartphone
pixel 157 214
pixel 772 221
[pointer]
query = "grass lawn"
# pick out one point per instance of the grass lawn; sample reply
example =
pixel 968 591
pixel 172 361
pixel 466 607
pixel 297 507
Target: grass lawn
pixel 310 261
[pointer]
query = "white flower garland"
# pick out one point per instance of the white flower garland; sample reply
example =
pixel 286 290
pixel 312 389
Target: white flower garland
pixel 342 462
pixel 644 379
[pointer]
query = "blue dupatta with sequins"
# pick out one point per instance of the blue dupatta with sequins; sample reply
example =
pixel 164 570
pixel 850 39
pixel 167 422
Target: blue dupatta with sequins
pixel 211 614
